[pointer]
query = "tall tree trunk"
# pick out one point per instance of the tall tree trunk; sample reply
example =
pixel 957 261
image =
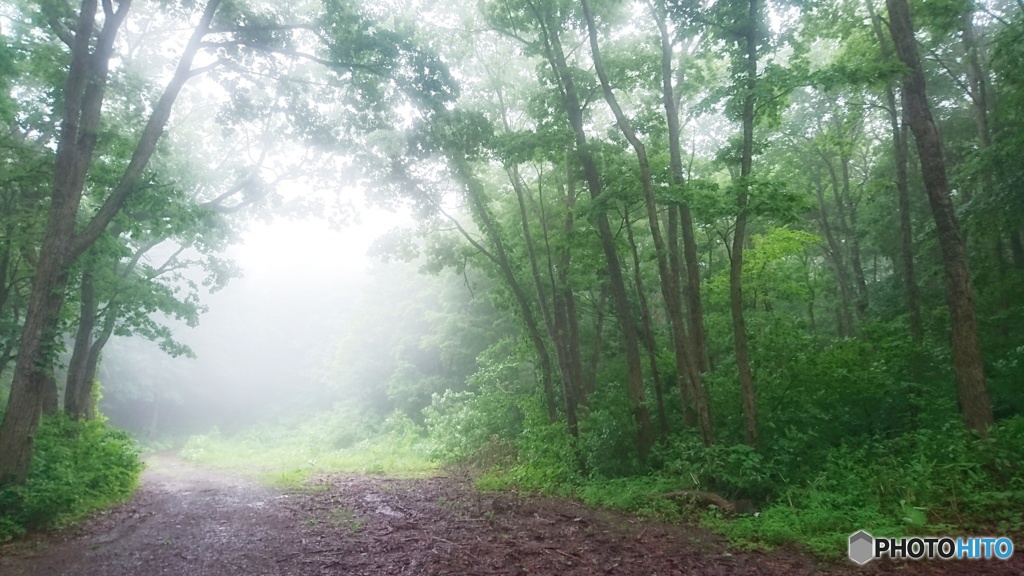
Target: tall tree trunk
pixel 78 365
pixel 557 332
pixel 849 220
pixel 739 235
pixel 499 257
pixel 85 401
pixel 835 249
pixel 567 298
pixel 693 292
pixel 82 97
pixel 972 390
pixel 1017 248
pixel 689 407
pixel 687 371
pixel 901 155
pixel 595 356
pixel 616 283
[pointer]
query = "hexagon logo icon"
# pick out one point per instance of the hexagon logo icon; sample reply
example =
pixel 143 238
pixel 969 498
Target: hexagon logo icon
pixel 861 547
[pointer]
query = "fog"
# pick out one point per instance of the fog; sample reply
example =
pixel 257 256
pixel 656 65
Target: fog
pixel 264 344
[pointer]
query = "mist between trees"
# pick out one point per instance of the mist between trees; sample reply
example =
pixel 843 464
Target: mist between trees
pixel 761 251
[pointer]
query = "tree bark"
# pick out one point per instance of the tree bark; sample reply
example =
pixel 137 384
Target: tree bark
pixel 83 96
pixel 912 293
pixel 739 235
pixel 687 371
pixel 645 317
pixel 968 366
pixel 617 286
pixel 682 211
pixel 78 365
pixel 845 324
pixel 849 220
pixel 474 193
pixel 549 307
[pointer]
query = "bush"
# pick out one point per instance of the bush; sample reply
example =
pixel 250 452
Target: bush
pixel 77 468
pixel 923 482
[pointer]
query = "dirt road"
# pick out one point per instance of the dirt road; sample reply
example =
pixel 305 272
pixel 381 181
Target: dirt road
pixel 190 521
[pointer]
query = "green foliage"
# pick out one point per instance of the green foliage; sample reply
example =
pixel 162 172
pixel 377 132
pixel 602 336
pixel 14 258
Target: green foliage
pixel 922 482
pixel 472 427
pixel 607 437
pixel 733 470
pixel 77 468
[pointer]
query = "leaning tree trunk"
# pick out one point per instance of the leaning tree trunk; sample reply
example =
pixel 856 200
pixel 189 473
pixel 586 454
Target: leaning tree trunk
pixel 687 371
pixel 967 360
pixel 912 293
pixel 616 283
pixel 551 309
pixel 499 257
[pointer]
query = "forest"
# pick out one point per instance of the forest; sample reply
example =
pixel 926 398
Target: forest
pixel 768 255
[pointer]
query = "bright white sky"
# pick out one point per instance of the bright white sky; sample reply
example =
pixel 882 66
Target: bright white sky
pixel 310 249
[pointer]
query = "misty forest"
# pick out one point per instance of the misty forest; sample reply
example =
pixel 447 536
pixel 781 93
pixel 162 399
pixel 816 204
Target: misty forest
pixel 751 266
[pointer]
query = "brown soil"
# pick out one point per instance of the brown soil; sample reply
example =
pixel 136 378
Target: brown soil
pixel 189 521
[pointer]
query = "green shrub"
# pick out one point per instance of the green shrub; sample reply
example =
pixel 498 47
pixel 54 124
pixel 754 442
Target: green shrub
pixel 928 481
pixel 733 470
pixel 607 438
pixel 77 467
pixel 480 426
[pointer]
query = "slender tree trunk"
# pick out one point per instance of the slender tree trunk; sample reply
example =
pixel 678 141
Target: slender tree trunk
pixel 849 219
pixel 901 155
pixel 901 159
pixel 1017 248
pixel 568 298
pixel 687 371
pixel 845 323
pixel 645 317
pixel 595 356
pixel 78 365
pixel 739 235
pixel 689 407
pixel 85 401
pixel 552 316
pixel 693 292
pixel 616 283
pixel 967 360
pixel 474 194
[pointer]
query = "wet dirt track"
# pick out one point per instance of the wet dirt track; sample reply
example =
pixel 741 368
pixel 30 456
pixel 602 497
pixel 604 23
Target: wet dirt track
pixel 190 521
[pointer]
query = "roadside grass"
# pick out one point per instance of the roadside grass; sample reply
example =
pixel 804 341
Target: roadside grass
pixel 923 483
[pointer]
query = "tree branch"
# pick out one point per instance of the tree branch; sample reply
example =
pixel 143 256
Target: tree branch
pixel 148 141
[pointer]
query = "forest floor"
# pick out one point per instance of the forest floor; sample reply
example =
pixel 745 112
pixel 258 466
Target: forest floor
pixel 186 520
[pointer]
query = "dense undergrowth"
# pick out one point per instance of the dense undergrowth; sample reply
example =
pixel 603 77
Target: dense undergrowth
pixel 77 468
pixel 847 443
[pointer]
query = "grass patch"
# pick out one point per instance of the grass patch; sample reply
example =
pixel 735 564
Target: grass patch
pixel 288 457
pixel 348 519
